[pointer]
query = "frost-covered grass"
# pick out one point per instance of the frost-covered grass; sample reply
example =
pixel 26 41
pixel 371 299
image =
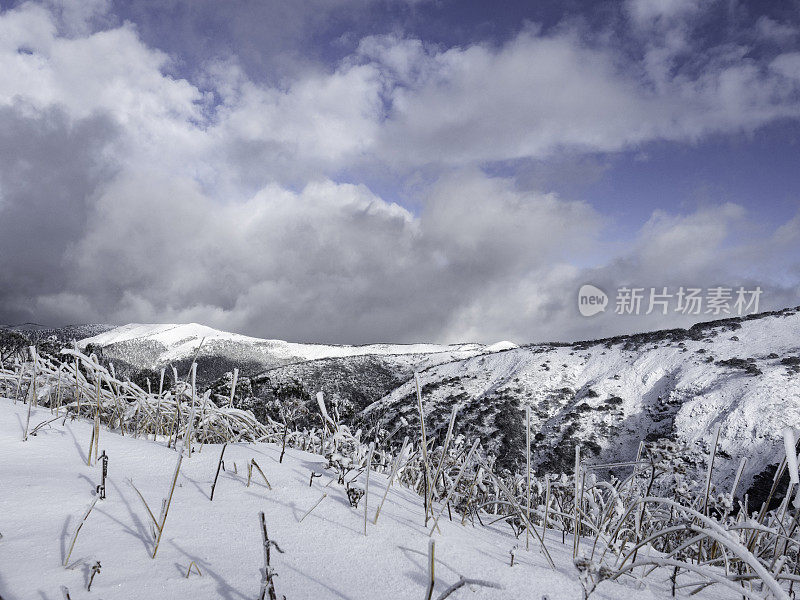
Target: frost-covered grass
pixel 634 538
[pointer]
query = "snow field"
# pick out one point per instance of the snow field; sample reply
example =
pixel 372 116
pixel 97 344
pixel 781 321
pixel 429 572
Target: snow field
pixel 46 486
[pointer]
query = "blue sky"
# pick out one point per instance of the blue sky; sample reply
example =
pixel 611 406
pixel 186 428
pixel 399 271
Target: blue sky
pixel 362 170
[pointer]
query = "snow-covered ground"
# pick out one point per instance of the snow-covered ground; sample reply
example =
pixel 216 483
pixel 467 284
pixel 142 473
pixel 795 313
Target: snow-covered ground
pixel 46 486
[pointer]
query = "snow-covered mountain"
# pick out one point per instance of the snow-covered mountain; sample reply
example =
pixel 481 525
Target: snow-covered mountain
pixel 742 375
pixel 153 346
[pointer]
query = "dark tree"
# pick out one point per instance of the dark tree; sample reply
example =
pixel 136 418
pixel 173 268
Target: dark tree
pixel 12 344
pixel 510 423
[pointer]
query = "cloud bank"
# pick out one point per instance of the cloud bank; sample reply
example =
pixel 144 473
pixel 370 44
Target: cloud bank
pixel 128 193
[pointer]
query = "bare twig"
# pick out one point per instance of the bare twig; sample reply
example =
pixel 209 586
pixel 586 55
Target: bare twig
pixel 219 466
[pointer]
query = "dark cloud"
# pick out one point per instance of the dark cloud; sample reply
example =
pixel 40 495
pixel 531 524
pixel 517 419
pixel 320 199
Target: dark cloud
pixel 49 167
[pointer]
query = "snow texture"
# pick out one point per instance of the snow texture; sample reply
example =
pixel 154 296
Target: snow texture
pixel 47 487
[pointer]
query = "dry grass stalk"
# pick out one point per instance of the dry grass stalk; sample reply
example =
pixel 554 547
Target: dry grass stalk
pixel 77 386
pixel 97 419
pixel 522 515
pixel 168 503
pixel 78 530
pixel 366 485
pixel 196 568
pixel 577 527
pixel 527 471
pixel 466 581
pixel 206 396
pixel 95 571
pixel 712 456
pixel 91 444
pixel 19 383
pixel 395 468
pixel 467 461
pixel 308 512
pixel 447 439
pixel 268 583
pixel 233 385
pixel 431 571
pixel 30 400
pixel 253 464
pixel 57 404
pixel 34 358
pixel 219 466
pixel 42 424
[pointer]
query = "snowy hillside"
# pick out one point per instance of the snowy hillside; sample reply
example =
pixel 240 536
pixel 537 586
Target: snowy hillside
pixel 155 346
pixel 47 488
pixel 353 381
pixel 608 395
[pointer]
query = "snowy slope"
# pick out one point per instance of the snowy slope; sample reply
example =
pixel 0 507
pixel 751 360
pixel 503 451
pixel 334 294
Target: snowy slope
pixel 153 346
pixel 608 395
pixel 181 340
pixel 47 486
pixel 354 381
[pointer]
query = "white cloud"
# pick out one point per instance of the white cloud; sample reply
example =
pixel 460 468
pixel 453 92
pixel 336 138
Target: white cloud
pixel 157 202
pixel 539 94
pixel 77 17
pixel 395 103
pixel 775 31
pixel 330 261
pixel 788 65
pixel 649 13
